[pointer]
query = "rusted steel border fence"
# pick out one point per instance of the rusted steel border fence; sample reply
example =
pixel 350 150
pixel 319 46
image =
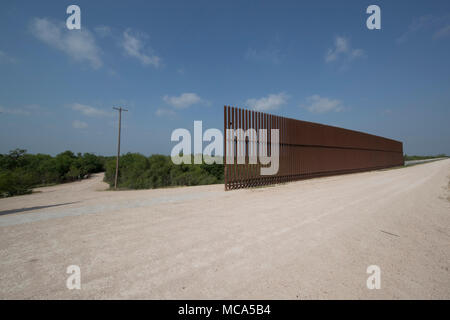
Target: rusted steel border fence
pixel 306 149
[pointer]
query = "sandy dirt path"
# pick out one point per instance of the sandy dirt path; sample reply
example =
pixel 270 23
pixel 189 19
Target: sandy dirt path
pixel 308 239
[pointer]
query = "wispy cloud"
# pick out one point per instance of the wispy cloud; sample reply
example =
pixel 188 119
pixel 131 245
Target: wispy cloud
pixel 134 46
pixel 439 24
pixel 79 45
pixel 5 58
pixel 15 111
pixel 77 124
pixel 271 55
pixel 318 104
pixel 160 112
pixel 271 102
pixel 416 25
pixel 90 111
pixel 26 110
pixel 442 32
pixel 102 31
pixel 185 100
pixel 342 50
pixel 272 52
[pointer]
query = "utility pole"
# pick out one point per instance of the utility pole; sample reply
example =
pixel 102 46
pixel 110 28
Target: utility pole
pixel 120 109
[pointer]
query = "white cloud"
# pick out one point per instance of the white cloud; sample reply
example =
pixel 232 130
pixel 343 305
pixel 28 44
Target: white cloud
pixel 356 53
pixel 271 102
pixel 272 55
pixel 416 25
pixel 164 112
pixel 90 111
pixel 103 31
pixel 79 124
pixel 183 101
pixel 318 104
pixel 440 25
pixel 15 111
pixel 342 49
pixel 442 33
pixel 341 46
pixel 4 58
pixel 134 46
pixel 79 45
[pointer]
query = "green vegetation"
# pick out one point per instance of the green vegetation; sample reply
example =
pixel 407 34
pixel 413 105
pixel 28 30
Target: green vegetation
pixel 20 171
pixel 409 158
pixel 139 172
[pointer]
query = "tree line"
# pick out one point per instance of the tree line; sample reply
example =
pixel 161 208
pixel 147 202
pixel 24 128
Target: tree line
pixel 20 171
pixel 409 157
pixel 137 171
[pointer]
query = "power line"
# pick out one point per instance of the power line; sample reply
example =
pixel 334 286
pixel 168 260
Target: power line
pixel 120 109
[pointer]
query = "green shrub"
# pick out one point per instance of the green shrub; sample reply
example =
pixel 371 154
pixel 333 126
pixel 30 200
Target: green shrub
pixel 20 171
pixel 157 171
pixel 409 158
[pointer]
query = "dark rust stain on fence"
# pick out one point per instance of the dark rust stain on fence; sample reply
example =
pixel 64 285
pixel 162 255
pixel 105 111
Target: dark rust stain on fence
pixel 306 149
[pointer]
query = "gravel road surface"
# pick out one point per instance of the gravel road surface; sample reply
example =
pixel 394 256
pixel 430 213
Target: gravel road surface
pixel 302 240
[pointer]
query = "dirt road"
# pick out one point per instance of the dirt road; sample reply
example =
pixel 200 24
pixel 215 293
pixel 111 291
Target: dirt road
pixel 306 239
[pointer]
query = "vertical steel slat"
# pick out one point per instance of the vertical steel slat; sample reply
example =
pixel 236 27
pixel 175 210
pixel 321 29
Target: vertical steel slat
pixel 234 147
pixel 258 147
pixel 239 146
pixel 246 150
pixel 225 120
pixel 228 148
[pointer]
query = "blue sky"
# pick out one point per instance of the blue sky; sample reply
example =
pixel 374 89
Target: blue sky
pixel 172 62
